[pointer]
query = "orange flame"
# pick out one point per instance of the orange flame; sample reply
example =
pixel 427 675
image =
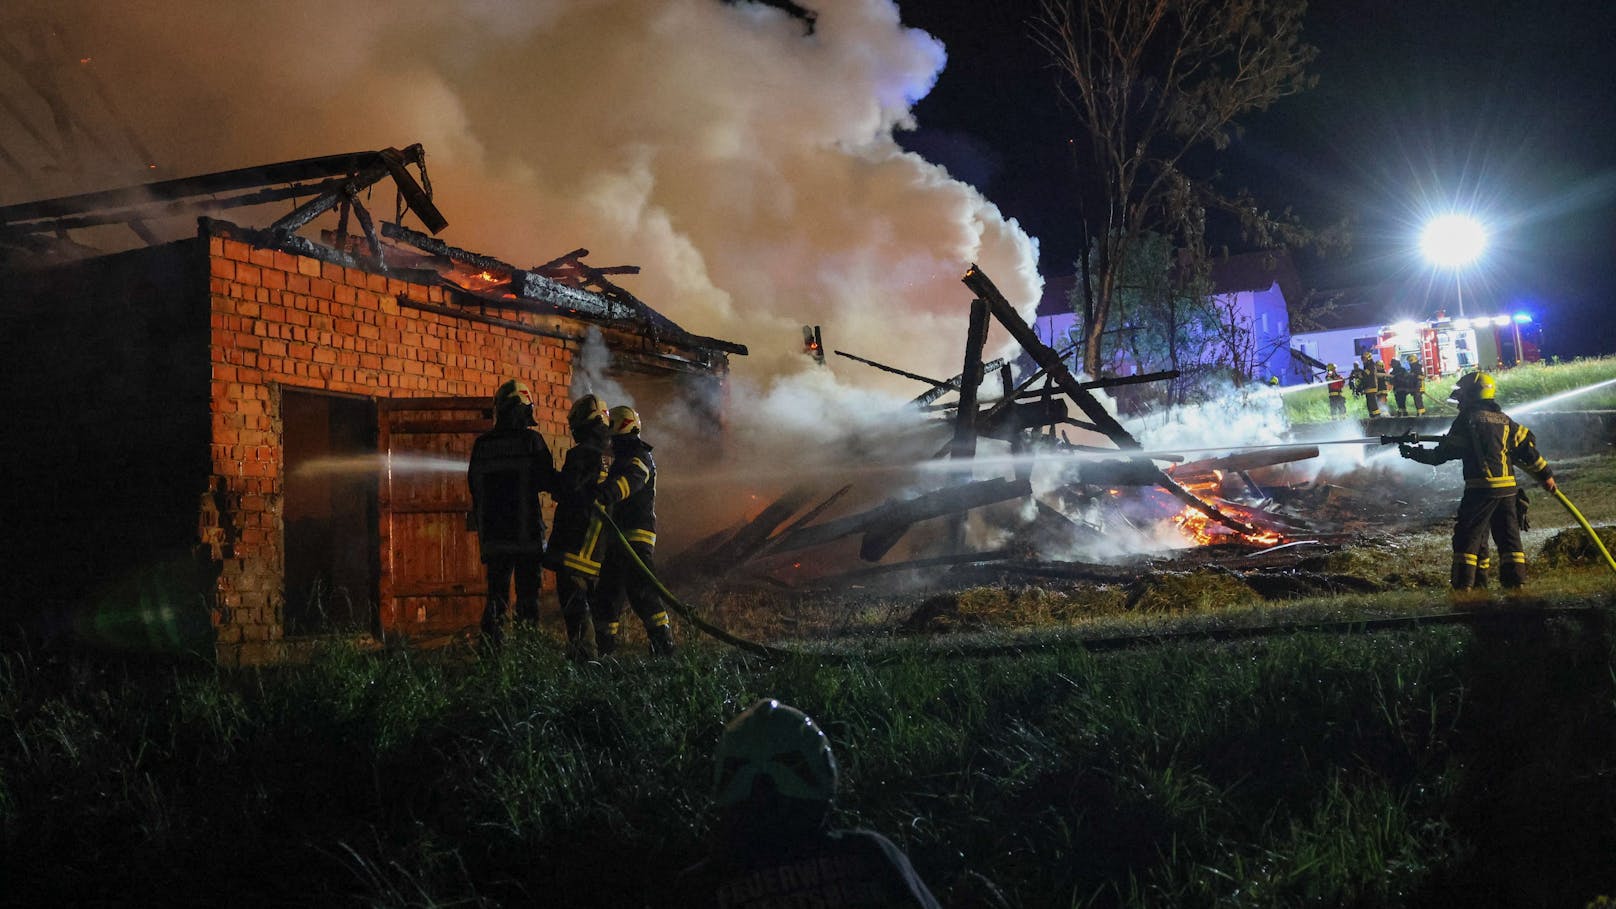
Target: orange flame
pixel 1200 529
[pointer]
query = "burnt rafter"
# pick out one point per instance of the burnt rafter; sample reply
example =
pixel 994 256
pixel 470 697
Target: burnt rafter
pixel 939 387
pixel 521 287
pixel 984 288
pixel 331 180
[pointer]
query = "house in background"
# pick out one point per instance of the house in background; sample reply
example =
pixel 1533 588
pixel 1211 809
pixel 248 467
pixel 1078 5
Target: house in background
pixel 279 414
pixel 1251 297
pixel 1254 292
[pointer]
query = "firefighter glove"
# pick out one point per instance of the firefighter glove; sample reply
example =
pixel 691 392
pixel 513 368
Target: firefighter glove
pixel 1406 450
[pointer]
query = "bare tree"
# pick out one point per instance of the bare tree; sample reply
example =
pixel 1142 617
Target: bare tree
pixel 1152 81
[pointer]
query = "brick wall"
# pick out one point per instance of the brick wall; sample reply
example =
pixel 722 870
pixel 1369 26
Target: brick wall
pixel 285 320
pixel 143 399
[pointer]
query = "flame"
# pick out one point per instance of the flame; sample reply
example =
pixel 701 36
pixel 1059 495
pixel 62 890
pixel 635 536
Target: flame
pixel 1202 531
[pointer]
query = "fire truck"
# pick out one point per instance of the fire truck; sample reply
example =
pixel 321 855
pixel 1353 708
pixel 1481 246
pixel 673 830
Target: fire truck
pixel 1447 345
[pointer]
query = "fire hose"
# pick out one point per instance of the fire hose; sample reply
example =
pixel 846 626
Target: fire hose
pixel 708 628
pixel 1592 534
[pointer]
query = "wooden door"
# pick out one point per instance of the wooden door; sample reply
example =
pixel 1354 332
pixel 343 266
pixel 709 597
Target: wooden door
pixel 431 579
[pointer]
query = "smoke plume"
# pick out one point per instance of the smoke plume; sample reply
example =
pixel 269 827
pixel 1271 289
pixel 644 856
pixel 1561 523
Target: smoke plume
pixel 749 167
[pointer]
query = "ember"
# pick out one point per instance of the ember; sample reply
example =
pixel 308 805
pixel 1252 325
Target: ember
pixel 1200 530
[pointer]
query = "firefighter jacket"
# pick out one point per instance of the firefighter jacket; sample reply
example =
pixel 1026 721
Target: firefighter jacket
pixel 1402 380
pixel 630 489
pixel 1417 376
pixel 1491 445
pixel 510 466
pixel 1383 379
pixel 575 543
pixel 1335 383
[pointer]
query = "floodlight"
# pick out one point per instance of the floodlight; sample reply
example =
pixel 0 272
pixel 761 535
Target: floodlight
pixel 1523 318
pixel 1500 320
pixel 1453 241
pixel 1461 324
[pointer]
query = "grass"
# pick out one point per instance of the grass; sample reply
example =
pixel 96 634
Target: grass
pixel 1521 384
pixel 1436 766
pixel 1396 769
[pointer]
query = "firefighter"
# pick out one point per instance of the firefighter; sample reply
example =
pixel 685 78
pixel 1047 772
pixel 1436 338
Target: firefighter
pixel 630 493
pixel 1369 384
pixel 1417 384
pixel 774 782
pixel 510 466
pixel 577 540
pixel 1491 445
pixel 1385 379
pixel 1336 386
pixel 1400 388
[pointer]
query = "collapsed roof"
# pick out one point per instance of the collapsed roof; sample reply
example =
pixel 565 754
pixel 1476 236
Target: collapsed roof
pixel 50 232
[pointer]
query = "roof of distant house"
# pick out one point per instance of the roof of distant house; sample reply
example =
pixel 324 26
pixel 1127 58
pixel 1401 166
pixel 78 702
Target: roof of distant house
pixel 1057 298
pixel 1257 271
pixel 1370 305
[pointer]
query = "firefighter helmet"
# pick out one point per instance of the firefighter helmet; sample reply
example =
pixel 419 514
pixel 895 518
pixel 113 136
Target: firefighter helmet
pixel 1412 359
pixel 1473 387
pixel 513 401
pixel 586 412
pixel 623 420
pixel 781 744
pixel 1329 367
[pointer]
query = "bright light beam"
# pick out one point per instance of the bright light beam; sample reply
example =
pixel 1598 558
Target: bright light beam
pixel 1453 241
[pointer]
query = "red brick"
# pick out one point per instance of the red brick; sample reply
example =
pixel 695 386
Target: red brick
pixel 215 246
pixel 299 283
pixel 274 279
pixel 247 274
pixel 237 250
pixel 308 267
pixel 322 288
pixel 331 271
pixel 222 268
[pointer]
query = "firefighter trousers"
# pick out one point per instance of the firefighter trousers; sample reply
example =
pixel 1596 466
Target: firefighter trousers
pixel 1482 511
pixel 1338 406
pixel 575 591
pixel 621 579
pixel 500 571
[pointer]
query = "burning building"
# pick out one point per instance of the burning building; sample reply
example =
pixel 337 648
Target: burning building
pixel 285 416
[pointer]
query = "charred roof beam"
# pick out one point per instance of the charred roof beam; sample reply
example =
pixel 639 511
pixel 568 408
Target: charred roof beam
pixel 270 182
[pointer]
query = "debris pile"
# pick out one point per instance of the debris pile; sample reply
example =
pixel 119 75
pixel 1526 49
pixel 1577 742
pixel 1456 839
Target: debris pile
pixel 1252 517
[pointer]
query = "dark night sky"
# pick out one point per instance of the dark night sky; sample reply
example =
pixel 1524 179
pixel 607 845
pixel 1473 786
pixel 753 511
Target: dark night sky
pixel 1502 108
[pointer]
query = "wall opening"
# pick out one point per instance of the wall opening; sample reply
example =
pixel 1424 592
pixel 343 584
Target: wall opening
pixel 329 512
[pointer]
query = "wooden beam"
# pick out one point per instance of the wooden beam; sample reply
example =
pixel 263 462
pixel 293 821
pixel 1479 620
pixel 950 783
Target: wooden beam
pixel 964 447
pixel 892 369
pixel 984 288
pixel 976 337
pixel 909 511
pixel 1247 460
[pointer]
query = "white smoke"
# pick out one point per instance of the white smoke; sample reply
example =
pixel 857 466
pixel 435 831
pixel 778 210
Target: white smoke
pixel 590 372
pixel 747 166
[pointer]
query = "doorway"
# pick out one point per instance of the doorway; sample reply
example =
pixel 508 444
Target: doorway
pixel 329 512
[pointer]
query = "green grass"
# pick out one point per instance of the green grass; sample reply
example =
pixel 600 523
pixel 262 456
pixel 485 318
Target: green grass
pixel 1423 767
pixel 1525 383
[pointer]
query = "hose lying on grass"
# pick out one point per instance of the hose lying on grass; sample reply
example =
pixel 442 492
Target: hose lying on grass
pixel 1592 535
pixel 752 647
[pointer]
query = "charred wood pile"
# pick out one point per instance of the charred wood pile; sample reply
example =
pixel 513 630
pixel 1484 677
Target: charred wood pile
pixel 966 518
